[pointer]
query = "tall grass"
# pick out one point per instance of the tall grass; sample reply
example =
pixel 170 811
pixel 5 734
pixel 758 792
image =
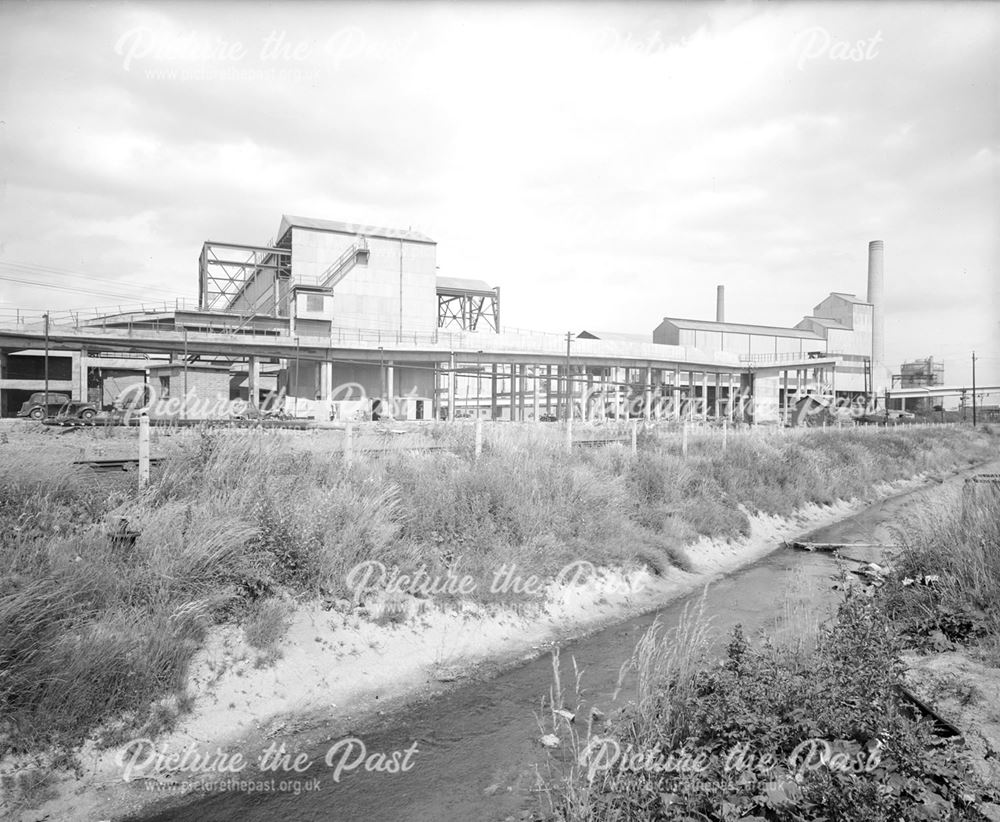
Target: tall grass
pixel 947 578
pixel 92 628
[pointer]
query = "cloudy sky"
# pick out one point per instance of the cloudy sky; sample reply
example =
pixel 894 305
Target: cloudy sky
pixel 606 165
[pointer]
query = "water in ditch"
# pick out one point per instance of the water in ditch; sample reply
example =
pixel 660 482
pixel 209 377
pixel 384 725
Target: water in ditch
pixel 477 745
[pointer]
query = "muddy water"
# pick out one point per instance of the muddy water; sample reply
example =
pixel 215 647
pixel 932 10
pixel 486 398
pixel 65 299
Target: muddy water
pixel 477 745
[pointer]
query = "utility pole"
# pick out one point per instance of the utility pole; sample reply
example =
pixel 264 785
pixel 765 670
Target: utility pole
pixel 46 363
pixel 973 389
pixel 569 384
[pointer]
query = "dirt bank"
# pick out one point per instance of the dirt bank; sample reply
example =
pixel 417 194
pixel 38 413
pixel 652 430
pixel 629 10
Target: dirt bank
pixel 336 665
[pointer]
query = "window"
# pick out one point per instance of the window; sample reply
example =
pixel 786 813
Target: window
pixel 314 302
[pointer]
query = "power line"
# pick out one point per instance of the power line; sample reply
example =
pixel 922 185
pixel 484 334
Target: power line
pixel 34 268
pixel 65 288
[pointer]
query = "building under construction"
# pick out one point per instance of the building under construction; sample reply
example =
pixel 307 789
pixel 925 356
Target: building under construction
pixel 342 321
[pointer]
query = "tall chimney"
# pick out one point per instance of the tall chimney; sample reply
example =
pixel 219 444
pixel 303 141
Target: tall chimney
pixel 876 290
pixel 720 303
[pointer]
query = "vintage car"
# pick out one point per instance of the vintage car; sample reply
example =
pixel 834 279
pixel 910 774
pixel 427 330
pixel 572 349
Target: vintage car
pixel 59 405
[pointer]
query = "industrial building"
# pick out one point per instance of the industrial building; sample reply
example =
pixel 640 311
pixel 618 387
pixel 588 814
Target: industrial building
pixel 923 373
pixel 344 321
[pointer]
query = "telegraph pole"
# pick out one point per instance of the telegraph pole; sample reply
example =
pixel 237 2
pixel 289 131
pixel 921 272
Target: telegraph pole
pixel 973 389
pixel 569 385
pixel 46 363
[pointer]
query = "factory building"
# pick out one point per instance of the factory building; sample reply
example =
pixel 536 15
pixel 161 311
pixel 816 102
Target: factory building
pixel 842 326
pixel 344 321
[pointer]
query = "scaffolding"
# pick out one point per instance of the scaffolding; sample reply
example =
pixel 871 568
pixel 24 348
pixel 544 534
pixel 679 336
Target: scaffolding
pixel 243 279
pixel 469 305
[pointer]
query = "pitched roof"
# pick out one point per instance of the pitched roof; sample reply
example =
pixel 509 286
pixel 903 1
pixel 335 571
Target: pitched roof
pixel 851 298
pixel 739 328
pixel 826 322
pixel 356 229
pixel 615 336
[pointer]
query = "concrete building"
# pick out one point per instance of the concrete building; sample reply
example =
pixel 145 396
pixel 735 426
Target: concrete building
pixel 920 374
pixel 352 322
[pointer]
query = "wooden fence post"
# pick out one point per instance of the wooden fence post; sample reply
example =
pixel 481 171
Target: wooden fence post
pixel 348 444
pixel 143 451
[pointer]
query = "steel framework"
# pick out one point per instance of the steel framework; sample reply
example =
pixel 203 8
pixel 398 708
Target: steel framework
pixel 224 273
pixel 468 309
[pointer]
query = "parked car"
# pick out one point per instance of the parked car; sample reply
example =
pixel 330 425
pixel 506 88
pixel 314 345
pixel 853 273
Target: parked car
pixel 59 405
pixel 34 406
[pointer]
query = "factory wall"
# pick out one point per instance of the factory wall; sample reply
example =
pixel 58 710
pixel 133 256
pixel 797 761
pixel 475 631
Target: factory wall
pixel 354 386
pixel 397 289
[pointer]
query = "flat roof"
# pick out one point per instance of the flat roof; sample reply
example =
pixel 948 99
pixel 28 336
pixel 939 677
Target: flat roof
pixel 462 284
pixel 354 229
pixel 739 328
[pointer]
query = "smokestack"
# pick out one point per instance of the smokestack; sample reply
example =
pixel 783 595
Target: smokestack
pixel 720 303
pixel 876 289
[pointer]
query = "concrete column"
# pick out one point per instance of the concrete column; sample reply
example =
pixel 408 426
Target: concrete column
pixel 435 390
pixel 493 392
pixel 253 381
pixel 704 395
pixel 522 388
pixel 677 393
pixel 548 389
pixel 326 381
pixel 718 395
pixel 648 394
pixel 617 389
pixel 783 378
pixel 78 365
pixel 451 388
pixel 534 391
pixel 390 388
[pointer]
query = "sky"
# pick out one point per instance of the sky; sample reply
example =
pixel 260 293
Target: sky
pixel 606 165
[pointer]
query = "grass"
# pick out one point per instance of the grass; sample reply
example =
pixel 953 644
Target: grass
pixel 725 739
pixel 92 630
pixel 946 585
pixel 837 681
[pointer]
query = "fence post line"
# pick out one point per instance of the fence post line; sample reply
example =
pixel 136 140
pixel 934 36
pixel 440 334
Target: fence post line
pixel 348 444
pixel 569 432
pixel 479 437
pixel 684 439
pixel 143 451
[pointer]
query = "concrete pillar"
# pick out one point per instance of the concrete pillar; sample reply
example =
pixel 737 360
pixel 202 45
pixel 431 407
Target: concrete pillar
pixel 493 392
pixel 390 388
pixel 617 389
pixel 534 392
pixel 704 395
pixel 548 389
pixel 677 393
pixel 718 395
pixel 522 387
pixel 451 388
pixel 648 394
pixel 253 381
pixel 326 381
pixel 78 364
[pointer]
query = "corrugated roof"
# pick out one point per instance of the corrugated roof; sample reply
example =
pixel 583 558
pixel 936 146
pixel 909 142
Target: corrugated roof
pixel 463 284
pixel 739 328
pixel 313 224
pixel 615 336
